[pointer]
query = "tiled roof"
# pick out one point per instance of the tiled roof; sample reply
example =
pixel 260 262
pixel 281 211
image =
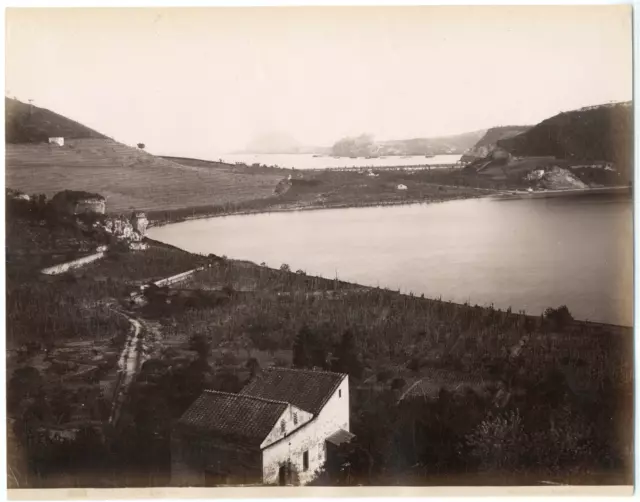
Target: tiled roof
pixel 339 437
pixel 235 416
pixel 309 390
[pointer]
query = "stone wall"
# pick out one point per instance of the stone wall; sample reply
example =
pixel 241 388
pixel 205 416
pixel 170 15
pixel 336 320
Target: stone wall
pixel 311 438
pixel 202 461
pixel 177 278
pixel 82 206
pixel 65 267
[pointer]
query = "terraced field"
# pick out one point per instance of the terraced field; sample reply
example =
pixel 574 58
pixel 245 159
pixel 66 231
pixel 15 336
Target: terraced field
pixel 129 178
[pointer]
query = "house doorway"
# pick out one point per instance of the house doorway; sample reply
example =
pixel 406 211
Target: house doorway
pixel 282 475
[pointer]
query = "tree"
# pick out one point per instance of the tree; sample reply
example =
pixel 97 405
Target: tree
pixel 25 382
pixel 253 366
pixel 309 349
pixel 141 146
pixel 302 348
pixel 200 344
pixel 559 318
pixel 348 358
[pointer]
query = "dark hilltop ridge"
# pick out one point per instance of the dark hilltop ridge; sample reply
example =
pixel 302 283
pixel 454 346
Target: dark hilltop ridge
pixel 597 133
pixel 26 123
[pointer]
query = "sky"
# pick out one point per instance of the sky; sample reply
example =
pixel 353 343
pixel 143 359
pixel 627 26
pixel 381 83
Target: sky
pixel 191 81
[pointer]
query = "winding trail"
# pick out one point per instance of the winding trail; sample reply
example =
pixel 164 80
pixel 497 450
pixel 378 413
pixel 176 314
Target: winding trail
pixel 129 364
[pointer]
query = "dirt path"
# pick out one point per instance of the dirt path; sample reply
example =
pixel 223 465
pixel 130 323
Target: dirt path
pixel 129 364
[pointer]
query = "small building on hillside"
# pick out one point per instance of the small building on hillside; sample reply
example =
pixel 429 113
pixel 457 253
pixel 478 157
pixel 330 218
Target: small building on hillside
pixel 401 187
pixel 139 222
pixel 58 140
pixel 277 431
pixel 73 202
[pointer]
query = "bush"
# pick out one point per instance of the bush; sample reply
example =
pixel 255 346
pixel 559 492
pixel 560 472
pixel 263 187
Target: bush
pixel 497 442
pixel 384 375
pixel 559 318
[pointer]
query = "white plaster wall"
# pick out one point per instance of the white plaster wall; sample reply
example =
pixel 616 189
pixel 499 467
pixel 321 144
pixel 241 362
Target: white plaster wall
pixel 288 417
pixel 311 437
pixel 91 206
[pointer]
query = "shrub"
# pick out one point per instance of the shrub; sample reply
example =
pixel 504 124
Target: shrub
pixel 384 375
pixel 497 442
pixel 560 318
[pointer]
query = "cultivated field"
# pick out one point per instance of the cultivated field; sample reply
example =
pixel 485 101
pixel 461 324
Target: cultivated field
pixel 130 178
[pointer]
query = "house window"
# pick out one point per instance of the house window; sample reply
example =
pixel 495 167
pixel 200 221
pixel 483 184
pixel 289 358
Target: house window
pixel 305 461
pixel 295 419
pixel 339 392
pixel 283 426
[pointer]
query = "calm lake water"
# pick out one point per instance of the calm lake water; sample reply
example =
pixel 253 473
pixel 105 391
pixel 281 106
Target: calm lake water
pixel 308 161
pixel 527 254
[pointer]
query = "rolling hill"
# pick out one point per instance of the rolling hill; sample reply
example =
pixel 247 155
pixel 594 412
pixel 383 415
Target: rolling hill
pixel 128 177
pixel 25 123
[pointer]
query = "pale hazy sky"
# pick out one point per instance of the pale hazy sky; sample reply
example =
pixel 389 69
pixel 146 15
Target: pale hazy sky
pixel 191 81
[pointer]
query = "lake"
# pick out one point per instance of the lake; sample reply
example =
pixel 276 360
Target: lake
pixel 308 161
pixel 527 254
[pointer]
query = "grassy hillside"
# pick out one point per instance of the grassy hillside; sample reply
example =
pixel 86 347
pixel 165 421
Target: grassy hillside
pixel 30 124
pixel 129 177
pixel 488 142
pixel 594 133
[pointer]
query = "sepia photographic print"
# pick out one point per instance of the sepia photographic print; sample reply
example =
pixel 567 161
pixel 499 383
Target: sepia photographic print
pixel 369 248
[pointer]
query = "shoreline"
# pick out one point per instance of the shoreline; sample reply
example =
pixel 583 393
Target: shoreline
pixel 585 322
pixel 500 195
pixel 248 212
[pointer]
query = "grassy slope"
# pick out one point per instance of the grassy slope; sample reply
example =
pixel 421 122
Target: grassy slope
pixel 128 177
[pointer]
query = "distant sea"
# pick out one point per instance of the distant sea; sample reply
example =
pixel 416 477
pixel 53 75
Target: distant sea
pixel 309 161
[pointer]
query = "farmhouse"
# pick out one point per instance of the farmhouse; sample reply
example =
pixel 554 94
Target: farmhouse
pixel 73 202
pixel 56 141
pixel 277 430
pixel 139 222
